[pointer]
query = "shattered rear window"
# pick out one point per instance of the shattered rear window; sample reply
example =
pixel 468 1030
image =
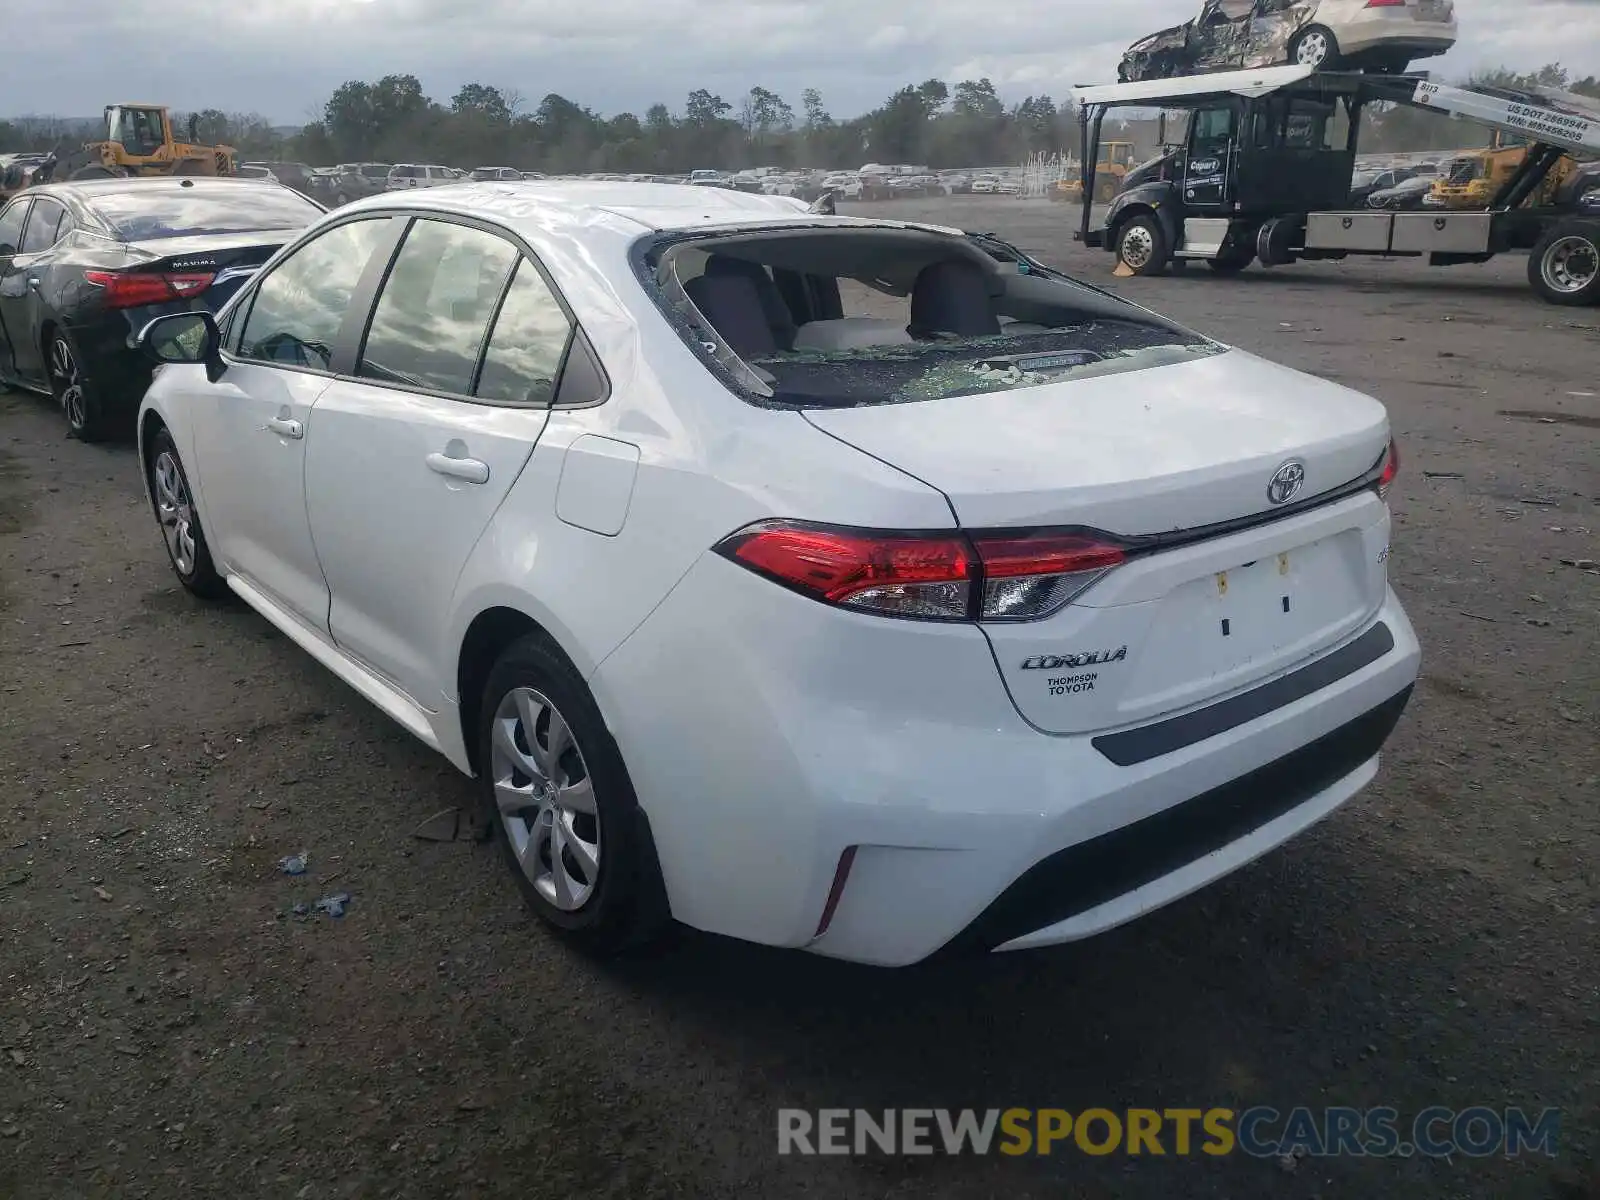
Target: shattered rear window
pixel 1056 330
pixel 970 366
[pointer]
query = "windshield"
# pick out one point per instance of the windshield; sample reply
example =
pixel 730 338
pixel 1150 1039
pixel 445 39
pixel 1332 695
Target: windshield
pixel 146 212
pixel 843 317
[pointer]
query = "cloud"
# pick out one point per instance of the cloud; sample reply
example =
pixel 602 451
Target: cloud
pixel 283 57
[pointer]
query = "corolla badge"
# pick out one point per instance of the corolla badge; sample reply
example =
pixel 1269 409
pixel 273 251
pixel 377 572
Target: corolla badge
pixel 1286 482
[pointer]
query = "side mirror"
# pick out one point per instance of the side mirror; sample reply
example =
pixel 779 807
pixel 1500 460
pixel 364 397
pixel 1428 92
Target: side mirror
pixel 190 337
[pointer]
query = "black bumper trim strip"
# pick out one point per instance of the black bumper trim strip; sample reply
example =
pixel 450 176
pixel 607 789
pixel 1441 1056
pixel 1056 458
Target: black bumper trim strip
pixel 1135 746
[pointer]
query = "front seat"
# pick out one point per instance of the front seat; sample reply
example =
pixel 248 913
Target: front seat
pixel 952 297
pixel 732 305
pixel 773 305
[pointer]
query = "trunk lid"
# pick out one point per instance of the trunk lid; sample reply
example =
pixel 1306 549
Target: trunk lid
pixel 1145 452
pixel 1154 452
pixel 230 258
pixel 201 271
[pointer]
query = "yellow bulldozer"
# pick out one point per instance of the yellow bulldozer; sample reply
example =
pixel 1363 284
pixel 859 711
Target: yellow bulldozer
pixel 139 141
pixel 1115 161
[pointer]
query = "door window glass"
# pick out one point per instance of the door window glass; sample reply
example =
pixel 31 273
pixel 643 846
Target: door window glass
pixel 431 317
pixel 1212 129
pixel 41 231
pixel 298 308
pixel 11 226
pixel 528 343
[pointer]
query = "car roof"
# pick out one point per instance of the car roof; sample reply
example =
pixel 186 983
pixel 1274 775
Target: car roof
pixel 88 189
pixel 661 207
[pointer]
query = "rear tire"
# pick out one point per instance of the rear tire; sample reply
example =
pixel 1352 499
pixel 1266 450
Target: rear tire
pixel 77 395
pixel 1315 47
pixel 554 784
pixel 190 167
pixel 1231 262
pixel 179 520
pixel 1564 267
pixel 1142 246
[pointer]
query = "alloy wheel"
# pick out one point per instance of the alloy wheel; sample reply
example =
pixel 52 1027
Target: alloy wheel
pixel 175 512
pixel 68 381
pixel 1570 265
pixel 1313 49
pixel 545 798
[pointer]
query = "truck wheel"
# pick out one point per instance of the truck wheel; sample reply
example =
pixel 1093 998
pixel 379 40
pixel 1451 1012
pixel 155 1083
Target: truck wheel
pixel 1142 246
pixel 1564 267
pixel 1315 47
pixel 1231 262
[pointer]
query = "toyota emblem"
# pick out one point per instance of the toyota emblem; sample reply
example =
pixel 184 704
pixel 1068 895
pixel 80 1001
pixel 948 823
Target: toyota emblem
pixel 1286 482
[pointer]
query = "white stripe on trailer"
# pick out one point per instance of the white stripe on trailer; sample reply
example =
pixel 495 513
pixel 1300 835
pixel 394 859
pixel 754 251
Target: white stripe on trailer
pixel 1220 83
pixel 1558 126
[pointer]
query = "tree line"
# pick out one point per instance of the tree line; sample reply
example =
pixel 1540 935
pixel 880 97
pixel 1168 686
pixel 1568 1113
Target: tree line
pixel 392 119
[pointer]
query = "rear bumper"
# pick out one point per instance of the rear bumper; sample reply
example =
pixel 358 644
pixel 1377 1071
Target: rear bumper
pixel 797 732
pixel 1394 29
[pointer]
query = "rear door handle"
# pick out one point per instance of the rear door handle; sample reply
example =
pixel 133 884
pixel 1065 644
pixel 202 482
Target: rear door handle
pixel 33 283
pixel 287 427
pixel 469 469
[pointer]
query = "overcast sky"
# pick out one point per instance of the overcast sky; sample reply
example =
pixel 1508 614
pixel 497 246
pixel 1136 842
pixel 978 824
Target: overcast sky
pixel 283 57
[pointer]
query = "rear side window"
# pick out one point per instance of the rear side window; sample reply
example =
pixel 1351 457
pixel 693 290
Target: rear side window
pixel 41 231
pixel 431 317
pixel 528 344
pixel 146 212
pixel 298 308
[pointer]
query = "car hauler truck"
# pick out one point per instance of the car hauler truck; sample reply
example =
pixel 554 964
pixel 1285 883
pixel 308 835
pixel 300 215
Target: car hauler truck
pixel 1264 175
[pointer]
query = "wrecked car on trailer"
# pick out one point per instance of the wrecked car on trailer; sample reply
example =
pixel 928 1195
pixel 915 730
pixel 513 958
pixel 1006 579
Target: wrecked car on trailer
pixel 1232 35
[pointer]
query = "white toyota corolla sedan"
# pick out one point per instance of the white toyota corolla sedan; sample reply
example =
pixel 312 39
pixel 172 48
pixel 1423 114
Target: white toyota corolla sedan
pixel 852 585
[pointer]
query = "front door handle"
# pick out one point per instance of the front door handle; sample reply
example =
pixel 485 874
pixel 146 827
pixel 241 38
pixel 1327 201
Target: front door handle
pixel 468 469
pixel 287 427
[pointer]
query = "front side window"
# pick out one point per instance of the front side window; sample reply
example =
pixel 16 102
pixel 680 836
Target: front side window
pixel 11 226
pixel 297 310
pixel 42 225
pixel 429 323
pixel 528 344
pixel 1213 127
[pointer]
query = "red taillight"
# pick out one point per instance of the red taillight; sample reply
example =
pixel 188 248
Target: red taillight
pixel 942 576
pixel 134 289
pixel 1391 468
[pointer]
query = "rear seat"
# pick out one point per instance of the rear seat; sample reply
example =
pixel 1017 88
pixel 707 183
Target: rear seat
pixel 851 333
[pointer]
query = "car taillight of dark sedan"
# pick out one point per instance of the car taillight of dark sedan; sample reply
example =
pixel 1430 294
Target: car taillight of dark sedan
pixel 134 289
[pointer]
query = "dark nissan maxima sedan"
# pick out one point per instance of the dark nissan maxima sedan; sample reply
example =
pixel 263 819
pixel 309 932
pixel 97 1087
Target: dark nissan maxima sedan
pixel 84 266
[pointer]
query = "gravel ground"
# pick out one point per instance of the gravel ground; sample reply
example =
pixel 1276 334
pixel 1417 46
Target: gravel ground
pixel 169 1028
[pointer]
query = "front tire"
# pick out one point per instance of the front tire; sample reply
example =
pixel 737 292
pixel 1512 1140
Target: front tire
pixel 1315 47
pixel 554 783
pixel 1142 246
pixel 1564 267
pixel 180 521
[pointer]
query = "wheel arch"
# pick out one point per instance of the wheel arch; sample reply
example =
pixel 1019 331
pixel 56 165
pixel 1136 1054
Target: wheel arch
pixel 489 634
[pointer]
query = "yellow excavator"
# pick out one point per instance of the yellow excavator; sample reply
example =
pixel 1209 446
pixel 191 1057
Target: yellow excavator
pixel 139 141
pixel 1471 179
pixel 1116 159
